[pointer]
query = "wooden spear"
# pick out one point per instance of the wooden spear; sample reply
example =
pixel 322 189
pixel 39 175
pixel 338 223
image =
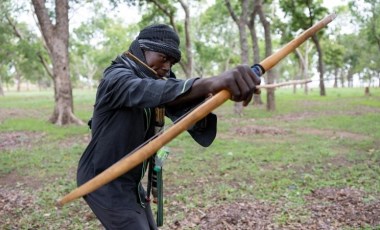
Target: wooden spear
pixel 135 158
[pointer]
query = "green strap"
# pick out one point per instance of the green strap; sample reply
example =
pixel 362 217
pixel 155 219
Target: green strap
pixel 160 197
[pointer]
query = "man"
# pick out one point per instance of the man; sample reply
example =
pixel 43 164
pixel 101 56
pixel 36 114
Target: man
pixel 136 90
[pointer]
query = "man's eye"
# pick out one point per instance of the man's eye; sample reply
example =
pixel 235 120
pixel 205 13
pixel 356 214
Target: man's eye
pixel 164 58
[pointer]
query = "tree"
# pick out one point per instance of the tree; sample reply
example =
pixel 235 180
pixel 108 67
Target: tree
pixel 215 41
pixel 55 31
pixel 367 12
pixel 241 20
pixel 96 42
pixel 28 55
pixel 302 54
pixel 333 58
pixel 255 45
pixel 259 11
pixel 5 50
pixel 303 14
pixel 21 49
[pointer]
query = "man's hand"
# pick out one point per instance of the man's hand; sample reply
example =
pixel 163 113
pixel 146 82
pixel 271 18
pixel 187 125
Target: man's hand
pixel 240 81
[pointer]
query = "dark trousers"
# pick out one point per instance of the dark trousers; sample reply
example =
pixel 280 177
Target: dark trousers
pixel 123 218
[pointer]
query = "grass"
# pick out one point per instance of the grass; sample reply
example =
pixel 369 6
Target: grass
pixel 330 141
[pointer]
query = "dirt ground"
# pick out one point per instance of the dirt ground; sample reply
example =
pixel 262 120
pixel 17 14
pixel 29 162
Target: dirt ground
pixel 328 208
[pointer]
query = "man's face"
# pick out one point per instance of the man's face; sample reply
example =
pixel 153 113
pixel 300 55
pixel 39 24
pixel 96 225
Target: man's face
pixel 159 62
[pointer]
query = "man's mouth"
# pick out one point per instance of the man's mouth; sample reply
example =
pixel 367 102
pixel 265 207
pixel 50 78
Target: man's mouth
pixel 162 73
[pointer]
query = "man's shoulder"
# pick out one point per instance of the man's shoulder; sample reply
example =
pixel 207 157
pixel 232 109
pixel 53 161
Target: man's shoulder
pixel 116 71
pixel 117 68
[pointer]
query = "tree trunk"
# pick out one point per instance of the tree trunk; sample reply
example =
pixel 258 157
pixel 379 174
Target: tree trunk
pixel 303 60
pixel 335 78
pixel 350 78
pixel 1 90
pixel 254 39
pixel 320 65
pixel 308 48
pixel 18 79
pixel 271 105
pixel 241 22
pixel 271 102
pixel 56 37
pixel 189 48
pixel 342 74
pixel 366 91
pixel 92 68
pixel 255 48
pixel 63 110
pixel 301 68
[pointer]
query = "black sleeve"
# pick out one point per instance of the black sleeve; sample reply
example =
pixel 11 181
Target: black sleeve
pixel 121 88
pixel 203 132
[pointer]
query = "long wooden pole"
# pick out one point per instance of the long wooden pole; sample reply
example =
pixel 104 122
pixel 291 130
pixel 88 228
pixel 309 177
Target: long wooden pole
pixel 135 158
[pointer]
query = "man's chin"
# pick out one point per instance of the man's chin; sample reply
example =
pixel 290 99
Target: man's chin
pixel 161 75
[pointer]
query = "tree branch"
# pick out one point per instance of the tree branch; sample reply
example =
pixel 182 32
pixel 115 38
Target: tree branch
pixel 14 27
pixel 49 71
pixel 271 86
pixel 21 37
pixel 166 12
pixel 47 28
pixel 232 13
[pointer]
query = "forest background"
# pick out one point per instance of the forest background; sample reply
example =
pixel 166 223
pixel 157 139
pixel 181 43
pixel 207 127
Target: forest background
pixel 69 44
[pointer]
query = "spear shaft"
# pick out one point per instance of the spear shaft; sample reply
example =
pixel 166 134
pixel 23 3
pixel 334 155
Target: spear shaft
pixel 135 158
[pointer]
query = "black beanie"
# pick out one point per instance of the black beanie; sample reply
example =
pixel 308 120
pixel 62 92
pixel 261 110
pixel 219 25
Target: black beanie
pixel 160 38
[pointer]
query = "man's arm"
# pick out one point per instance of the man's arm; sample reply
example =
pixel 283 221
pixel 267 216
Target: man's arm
pixel 240 82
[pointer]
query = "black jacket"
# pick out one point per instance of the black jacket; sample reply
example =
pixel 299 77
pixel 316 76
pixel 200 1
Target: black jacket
pixel 123 120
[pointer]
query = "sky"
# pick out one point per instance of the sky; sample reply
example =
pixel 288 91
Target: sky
pixel 132 13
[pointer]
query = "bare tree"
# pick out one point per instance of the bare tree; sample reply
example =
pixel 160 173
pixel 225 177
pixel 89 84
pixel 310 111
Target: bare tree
pixel 55 32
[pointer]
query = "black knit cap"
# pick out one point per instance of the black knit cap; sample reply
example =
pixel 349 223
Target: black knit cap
pixel 160 38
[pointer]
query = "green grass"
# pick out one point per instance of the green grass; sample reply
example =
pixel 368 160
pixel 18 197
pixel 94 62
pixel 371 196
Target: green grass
pixel 330 141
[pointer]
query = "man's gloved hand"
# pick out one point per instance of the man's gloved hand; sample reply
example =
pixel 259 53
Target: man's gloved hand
pixel 240 81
